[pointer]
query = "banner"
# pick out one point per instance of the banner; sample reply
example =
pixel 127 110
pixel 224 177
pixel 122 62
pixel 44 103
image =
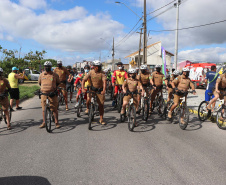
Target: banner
pixel 163 61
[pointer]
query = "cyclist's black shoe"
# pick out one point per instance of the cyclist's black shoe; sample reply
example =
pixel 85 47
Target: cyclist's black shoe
pixel 11 109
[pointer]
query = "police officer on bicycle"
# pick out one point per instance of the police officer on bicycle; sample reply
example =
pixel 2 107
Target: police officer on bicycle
pixel 49 81
pixel 4 83
pixel 63 72
pixel 144 78
pixel 131 85
pixel 98 84
pixel 181 84
pixel 157 82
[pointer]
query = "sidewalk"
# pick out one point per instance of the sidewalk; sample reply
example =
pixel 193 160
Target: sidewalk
pixel 193 101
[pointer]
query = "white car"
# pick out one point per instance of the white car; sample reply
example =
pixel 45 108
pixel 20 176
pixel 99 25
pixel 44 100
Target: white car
pixel 34 75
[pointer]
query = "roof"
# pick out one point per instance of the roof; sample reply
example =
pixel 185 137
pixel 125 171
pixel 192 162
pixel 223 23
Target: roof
pixel 147 48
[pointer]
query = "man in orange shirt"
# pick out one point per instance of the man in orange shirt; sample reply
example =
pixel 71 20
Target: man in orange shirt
pixel 118 78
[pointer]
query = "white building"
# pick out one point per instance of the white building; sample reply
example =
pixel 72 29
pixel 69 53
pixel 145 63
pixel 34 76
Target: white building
pixel 80 65
pixel 154 55
pixel 109 63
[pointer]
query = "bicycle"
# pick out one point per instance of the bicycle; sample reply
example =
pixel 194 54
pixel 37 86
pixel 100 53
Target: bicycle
pixel 48 114
pixel 2 113
pixel 168 105
pixel 81 102
pixel 109 87
pixel 93 106
pixel 145 103
pixel 119 98
pixel 159 102
pixel 130 112
pixel 182 111
pixel 203 112
pixel 60 96
pixel 220 111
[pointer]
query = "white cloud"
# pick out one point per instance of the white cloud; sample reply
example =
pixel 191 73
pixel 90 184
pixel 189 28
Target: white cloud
pixel 68 30
pixel 33 4
pixel 192 13
pixel 215 55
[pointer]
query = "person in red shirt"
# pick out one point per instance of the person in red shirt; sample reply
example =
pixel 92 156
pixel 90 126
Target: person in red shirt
pixel 118 78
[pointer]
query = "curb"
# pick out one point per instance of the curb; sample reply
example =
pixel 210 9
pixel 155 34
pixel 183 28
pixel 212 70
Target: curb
pixel 212 118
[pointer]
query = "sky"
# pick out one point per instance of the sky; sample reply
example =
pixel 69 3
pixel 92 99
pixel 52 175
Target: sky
pixel 77 30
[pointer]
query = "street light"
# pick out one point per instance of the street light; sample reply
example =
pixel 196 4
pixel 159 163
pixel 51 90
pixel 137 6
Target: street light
pixel 128 8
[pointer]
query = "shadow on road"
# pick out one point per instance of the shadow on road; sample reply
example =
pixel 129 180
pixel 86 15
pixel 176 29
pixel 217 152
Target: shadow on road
pixel 144 127
pixel 24 180
pixel 194 124
pixel 19 126
pixel 111 123
pixel 66 126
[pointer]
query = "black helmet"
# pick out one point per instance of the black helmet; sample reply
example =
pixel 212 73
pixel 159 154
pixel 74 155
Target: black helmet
pixel 87 66
pixel 119 63
pixel 69 67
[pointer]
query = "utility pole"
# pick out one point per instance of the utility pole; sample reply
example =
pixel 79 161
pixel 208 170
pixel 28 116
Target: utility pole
pixel 176 5
pixel 113 54
pixel 139 61
pixel 145 35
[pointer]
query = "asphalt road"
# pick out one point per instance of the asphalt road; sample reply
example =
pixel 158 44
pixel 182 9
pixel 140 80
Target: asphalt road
pixel 157 152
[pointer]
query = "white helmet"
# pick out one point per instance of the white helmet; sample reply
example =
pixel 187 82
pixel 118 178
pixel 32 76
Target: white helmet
pixel 109 69
pixel 158 66
pixel 131 71
pixel 143 67
pixel 185 69
pixel 96 63
pixel 176 72
pixel 1 70
pixel 59 62
pixel 47 63
pixel 106 70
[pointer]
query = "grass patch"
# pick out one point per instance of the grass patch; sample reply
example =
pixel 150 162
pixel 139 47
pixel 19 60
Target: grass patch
pixel 28 92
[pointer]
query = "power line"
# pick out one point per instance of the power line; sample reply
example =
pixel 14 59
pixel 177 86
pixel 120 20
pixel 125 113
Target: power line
pixel 161 13
pixel 161 7
pixel 127 33
pixel 189 27
pixel 130 34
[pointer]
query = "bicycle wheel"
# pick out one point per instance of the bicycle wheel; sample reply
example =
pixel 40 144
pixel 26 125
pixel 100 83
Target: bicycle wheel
pixel 202 111
pixel 120 103
pixel 131 117
pixel 145 110
pixel 165 111
pixel 10 115
pixel 112 93
pixel 221 118
pixel 62 99
pixel 122 117
pixel 48 119
pixel 79 107
pixel 91 115
pixel 183 117
pixel 161 107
